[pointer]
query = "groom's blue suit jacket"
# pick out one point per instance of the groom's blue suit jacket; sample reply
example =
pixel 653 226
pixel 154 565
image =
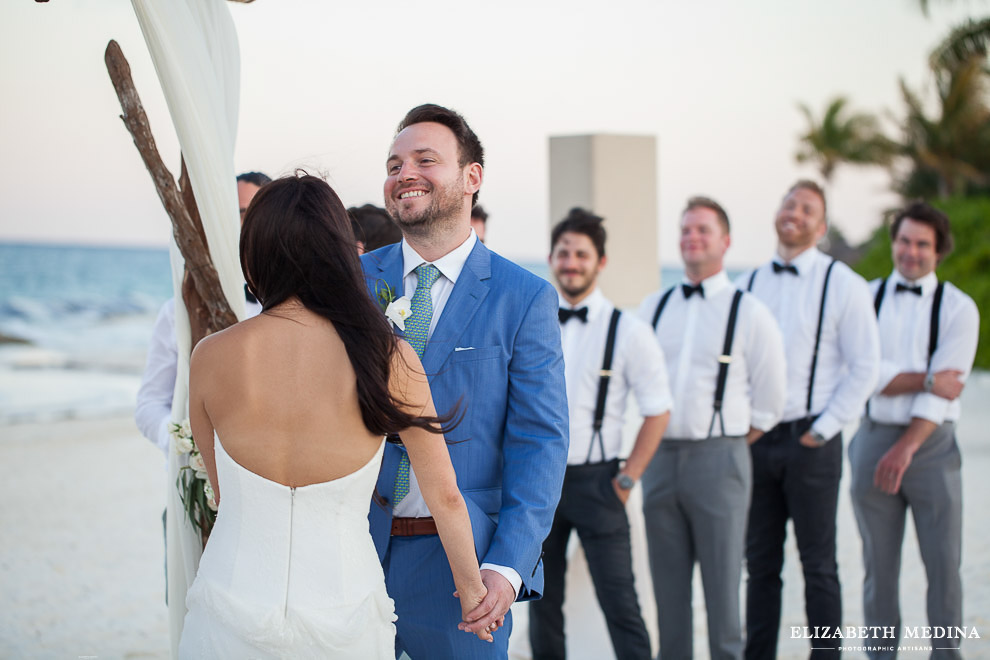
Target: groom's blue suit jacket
pixel 496 349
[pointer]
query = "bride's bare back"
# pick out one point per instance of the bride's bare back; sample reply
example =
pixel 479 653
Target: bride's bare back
pixel 281 393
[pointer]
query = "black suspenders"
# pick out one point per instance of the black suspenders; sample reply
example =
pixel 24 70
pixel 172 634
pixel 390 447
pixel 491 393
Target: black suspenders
pixel 818 337
pixel 933 324
pixel 605 375
pixel 723 360
pixel 723 364
pixel 663 303
pixel 818 332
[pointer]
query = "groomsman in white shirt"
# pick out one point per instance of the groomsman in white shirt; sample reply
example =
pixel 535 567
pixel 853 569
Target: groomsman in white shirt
pixel 728 376
pixel 607 357
pixel 832 345
pixel 905 453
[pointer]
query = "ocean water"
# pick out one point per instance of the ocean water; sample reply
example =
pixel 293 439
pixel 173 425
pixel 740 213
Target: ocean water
pixel 81 319
pixel 75 322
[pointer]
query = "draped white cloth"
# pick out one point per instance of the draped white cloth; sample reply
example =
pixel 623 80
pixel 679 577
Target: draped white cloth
pixel 193 45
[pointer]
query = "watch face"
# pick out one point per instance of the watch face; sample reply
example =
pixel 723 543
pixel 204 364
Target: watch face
pixel 625 481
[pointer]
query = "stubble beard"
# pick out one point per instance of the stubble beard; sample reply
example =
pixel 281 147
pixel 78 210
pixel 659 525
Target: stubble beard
pixel 578 291
pixel 439 218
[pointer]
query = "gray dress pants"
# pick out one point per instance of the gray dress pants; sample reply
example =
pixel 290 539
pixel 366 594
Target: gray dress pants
pixel 695 502
pixel 932 488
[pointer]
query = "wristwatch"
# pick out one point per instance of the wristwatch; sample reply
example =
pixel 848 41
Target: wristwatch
pixel 819 439
pixel 929 384
pixel 624 481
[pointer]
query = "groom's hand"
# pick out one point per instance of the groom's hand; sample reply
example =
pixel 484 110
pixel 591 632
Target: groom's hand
pixel 490 612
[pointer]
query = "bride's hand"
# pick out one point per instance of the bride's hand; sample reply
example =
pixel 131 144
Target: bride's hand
pixel 470 602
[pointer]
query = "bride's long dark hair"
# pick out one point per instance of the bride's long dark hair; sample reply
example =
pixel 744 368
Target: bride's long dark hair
pixel 296 240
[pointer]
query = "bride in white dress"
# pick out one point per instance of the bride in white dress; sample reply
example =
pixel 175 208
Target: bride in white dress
pixel 299 400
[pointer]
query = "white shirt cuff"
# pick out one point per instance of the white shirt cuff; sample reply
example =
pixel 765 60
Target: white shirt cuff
pixel 508 573
pixel 764 421
pixel 827 425
pixel 929 406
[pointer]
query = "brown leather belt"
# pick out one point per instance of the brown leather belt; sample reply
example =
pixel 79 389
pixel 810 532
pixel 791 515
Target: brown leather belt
pixel 413 526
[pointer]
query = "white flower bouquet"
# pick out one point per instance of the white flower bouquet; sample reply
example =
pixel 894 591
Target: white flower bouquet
pixel 194 487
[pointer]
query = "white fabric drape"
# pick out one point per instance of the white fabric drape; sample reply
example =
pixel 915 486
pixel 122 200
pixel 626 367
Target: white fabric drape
pixel 193 45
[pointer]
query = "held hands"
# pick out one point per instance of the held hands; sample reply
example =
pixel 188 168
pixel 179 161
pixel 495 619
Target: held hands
pixel 947 384
pixel 489 606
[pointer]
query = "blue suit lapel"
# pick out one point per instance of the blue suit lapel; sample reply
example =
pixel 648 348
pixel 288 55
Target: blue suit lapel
pixel 465 299
pixel 389 272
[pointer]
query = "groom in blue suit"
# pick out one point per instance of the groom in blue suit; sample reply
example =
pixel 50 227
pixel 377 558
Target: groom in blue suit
pixel 492 346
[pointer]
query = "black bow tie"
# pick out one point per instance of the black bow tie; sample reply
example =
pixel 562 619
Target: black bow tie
pixel 916 290
pixel 691 290
pixel 248 296
pixel 781 268
pixel 565 314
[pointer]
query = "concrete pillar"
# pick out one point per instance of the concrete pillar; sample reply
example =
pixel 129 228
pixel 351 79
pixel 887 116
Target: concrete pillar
pixel 614 176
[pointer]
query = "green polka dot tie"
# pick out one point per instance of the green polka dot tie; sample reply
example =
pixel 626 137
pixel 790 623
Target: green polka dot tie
pixel 416 333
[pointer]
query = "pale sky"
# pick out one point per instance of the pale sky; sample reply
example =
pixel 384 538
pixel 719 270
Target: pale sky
pixel 323 85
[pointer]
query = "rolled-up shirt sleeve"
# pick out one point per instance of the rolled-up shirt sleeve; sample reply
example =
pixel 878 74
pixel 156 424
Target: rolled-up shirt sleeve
pixel 859 347
pixel 766 366
pixel 956 350
pixel 646 371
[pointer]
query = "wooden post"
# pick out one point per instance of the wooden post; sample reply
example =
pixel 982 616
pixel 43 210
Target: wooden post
pixel 211 312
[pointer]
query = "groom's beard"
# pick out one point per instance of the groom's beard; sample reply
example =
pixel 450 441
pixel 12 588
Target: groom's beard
pixel 442 215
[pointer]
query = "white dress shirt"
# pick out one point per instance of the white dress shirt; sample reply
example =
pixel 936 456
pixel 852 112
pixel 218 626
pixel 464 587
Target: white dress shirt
pixel 153 411
pixel 905 320
pixel 849 354
pixel 450 266
pixel 637 366
pixel 692 331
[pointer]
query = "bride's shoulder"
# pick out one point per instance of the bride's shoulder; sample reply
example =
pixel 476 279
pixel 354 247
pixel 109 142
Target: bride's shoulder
pixel 217 345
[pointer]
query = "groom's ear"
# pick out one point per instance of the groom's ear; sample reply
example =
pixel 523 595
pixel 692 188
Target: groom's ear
pixel 473 176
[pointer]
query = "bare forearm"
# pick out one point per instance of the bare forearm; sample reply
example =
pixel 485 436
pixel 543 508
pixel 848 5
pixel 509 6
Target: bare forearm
pixel 454 527
pixel 647 441
pixel 917 432
pixel 945 384
pixel 906 382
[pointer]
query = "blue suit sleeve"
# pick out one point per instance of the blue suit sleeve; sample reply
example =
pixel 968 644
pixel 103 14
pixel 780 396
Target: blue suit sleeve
pixel 534 445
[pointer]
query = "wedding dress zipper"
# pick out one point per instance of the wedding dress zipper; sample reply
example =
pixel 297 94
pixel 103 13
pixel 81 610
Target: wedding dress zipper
pixel 288 563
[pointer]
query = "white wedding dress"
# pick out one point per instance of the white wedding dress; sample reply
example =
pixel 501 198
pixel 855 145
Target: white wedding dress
pixel 290 572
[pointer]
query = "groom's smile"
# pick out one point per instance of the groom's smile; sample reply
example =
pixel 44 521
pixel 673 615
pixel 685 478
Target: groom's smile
pixel 425 181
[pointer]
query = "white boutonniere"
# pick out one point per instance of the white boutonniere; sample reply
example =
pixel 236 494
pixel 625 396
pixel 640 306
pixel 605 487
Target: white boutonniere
pixel 397 310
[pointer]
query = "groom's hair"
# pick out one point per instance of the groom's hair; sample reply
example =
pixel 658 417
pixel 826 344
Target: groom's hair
pixel 297 242
pixel 469 146
pixel 580 221
pixel 259 179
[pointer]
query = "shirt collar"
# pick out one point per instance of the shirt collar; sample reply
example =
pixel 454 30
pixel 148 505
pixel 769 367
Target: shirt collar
pixel 712 285
pixel 803 262
pixel 927 283
pixel 595 302
pixel 450 265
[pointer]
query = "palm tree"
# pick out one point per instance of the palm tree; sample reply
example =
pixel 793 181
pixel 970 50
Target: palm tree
pixel 950 152
pixel 971 39
pixel 842 138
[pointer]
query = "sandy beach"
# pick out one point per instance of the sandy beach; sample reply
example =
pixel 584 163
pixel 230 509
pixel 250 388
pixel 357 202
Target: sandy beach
pixel 81 553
